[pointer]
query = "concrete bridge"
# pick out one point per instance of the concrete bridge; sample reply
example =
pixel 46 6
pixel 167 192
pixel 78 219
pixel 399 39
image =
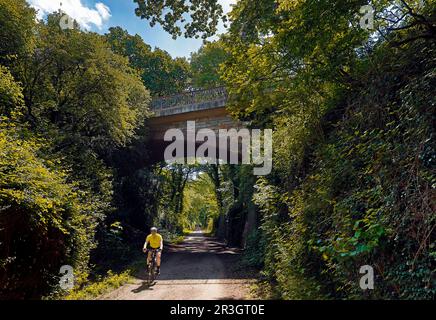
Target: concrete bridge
pixel 206 107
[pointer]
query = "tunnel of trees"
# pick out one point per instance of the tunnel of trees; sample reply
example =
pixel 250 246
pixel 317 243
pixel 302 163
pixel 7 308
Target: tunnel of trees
pixel 353 117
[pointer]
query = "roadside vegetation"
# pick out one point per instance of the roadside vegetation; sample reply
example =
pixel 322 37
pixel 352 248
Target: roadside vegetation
pixel 352 112
pixel 353 180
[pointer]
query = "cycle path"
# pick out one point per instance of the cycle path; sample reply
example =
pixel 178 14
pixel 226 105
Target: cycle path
pixel 199 268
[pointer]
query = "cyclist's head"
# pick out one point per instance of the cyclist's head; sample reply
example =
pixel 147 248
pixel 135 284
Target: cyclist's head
pixel 153 230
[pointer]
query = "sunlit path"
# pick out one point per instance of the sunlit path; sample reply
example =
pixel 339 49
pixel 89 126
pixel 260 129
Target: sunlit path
pixel 200 268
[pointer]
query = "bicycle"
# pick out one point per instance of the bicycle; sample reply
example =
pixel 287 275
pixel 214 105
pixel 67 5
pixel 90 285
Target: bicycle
pixel 152 267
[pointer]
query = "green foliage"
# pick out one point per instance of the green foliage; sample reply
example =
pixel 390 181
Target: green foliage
pixel 160 73
pixel 256 249
pixel 80 103
pixel 174 179
pixel 16 15
pixel 205 65
pixel 172 237
pixel 204 16
pixel 44 219
pixel 200 203
pixel 98 288
pixel 353 178
pixel 78 84
pixel 366 197
pixel 286 258
pixel 11 94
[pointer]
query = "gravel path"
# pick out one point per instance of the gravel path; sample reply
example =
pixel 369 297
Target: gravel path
pixel 200 268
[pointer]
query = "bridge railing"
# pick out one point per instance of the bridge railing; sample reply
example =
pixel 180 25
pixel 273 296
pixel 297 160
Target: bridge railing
pixel 190 101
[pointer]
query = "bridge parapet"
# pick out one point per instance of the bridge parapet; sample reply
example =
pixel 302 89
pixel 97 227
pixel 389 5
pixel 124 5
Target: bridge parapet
pixel 190 101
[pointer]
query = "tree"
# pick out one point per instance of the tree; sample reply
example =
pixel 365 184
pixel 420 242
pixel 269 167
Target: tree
pixel 11 94
pixel 17 23
pixel 77 85
pixel 80 103
pixel 205 65
pixel 160 73
pixel 45 221
pixel 204 16
pixel 200 203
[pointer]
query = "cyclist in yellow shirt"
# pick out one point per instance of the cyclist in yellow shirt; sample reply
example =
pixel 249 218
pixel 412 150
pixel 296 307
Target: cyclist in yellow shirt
pixel 154 241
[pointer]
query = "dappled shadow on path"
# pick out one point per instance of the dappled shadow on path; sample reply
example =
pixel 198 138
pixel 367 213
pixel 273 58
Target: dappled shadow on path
pixel 199 258
pixel 197 243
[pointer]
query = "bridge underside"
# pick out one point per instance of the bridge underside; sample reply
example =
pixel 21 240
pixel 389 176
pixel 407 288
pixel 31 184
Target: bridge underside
pixel 214 119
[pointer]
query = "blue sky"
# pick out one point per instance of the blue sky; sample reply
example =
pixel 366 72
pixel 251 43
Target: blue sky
pixel 100 15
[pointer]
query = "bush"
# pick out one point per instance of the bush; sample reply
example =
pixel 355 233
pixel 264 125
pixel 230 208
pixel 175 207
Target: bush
pixel 364 195
pixel 110 282
pixel 255 250
pixel 44 222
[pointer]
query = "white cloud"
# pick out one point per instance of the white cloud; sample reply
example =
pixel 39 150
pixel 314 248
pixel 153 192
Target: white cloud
pixel 104 11
pixel 85 16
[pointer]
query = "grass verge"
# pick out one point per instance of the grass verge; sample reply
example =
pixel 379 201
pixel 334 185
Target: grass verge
pixel 106 284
